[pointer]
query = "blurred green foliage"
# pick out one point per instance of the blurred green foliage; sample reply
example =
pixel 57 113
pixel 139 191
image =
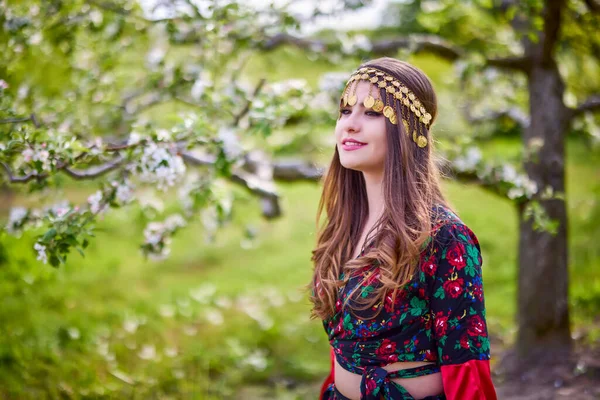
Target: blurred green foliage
pixel 215 320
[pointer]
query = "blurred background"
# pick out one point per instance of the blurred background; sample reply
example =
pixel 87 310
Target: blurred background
pixel 177 145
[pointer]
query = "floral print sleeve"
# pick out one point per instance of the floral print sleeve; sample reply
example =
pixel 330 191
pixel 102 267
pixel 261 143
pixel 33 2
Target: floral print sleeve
pixel 458 310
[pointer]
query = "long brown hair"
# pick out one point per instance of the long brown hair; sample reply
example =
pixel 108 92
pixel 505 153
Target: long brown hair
pixel 411 191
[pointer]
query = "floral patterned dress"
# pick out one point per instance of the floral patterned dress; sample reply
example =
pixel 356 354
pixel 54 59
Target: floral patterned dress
pixel 438 317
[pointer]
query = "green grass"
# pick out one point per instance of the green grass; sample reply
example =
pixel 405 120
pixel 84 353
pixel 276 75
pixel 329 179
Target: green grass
pixel 68 332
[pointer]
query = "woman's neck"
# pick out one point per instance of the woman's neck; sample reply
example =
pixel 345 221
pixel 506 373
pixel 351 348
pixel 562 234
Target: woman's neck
pixel 374 188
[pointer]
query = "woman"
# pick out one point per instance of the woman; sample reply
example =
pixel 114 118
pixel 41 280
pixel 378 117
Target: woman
pixel 397 278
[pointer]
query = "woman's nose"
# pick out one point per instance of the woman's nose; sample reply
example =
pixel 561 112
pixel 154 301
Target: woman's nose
pixel 352 122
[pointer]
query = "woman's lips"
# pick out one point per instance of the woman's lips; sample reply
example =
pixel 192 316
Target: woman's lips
pixel 349 146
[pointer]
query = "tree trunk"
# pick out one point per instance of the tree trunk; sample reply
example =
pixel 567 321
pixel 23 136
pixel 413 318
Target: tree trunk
pixel 543 309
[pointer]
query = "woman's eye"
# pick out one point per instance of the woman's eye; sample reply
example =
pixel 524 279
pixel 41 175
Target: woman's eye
pixel 373 113
pixel 344 111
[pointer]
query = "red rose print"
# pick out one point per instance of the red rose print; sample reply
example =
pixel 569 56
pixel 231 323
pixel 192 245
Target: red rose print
pixel 427 323
pixel 386 347
pixel 371 385
pixel 441 324
pixel 478 292
pixel 429 266
pixel 456 256
pixel 464 342
pixel 454 288
pixel 476 326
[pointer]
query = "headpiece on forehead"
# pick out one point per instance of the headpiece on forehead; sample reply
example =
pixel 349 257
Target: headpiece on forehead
pixel 415 117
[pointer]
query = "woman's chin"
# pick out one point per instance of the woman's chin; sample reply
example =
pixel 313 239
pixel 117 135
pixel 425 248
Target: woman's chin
pixel 349 164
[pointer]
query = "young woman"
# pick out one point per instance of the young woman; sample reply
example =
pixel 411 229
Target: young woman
pixel 397 278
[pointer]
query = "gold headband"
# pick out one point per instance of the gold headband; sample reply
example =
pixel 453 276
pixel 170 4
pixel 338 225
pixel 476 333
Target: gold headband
pixel 418 119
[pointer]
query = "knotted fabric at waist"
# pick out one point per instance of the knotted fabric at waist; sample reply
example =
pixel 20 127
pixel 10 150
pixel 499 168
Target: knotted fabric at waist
pixel 377 382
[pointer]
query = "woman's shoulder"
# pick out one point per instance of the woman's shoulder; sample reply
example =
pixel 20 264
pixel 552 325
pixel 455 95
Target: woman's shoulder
pixel 447 227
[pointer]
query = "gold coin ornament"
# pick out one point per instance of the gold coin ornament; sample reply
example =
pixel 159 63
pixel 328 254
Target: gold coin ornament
pixel 388 111
pixel 406 128
pixel 369 102
pixel 394 89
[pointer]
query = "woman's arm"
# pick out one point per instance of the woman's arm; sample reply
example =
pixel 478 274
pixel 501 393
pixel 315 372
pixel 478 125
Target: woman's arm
pixel 458 308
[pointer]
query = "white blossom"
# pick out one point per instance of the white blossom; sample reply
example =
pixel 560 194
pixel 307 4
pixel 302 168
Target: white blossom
pixel 170 352
pixel 124 194
pixel 3 84
pixel 509 173
pixel 362 42
pixel 163 135
pixel 155 56
pixel 202 294
pixel 174 222
pixel 41 249
pixel 166 310
pixel 28 154
pixel 130 325
pixel 257 359
pixel 15 219
pixel 148 352
pixel 213 316
pixel 333 82
pixel 36 38
pixel 198 89
pixel 209 219
pixel 153 233
pixel 281 88
pixel 134 138
pixel 95 202
pixel 231 142
pixel 158 165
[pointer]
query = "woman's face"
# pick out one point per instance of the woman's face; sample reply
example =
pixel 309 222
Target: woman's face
pixel 365 126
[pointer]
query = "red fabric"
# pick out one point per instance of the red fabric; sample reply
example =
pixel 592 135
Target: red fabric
pixel 330 378
pixel 468 381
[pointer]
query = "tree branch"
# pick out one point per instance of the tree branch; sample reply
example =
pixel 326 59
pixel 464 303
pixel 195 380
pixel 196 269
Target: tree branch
pixel 94 171
pixel 281 39
pixel 514 114
pixel 511 63
pixel 593 5
pixel 31 118
pixel 246 108
pixel 552 23
pixel 259 183
pixel 89 173
pixel 20 179
pixel 592 103
pixel 420 44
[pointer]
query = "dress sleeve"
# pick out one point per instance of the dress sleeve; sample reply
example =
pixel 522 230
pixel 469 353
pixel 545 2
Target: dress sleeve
pixel 459 323
pixel 331 377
